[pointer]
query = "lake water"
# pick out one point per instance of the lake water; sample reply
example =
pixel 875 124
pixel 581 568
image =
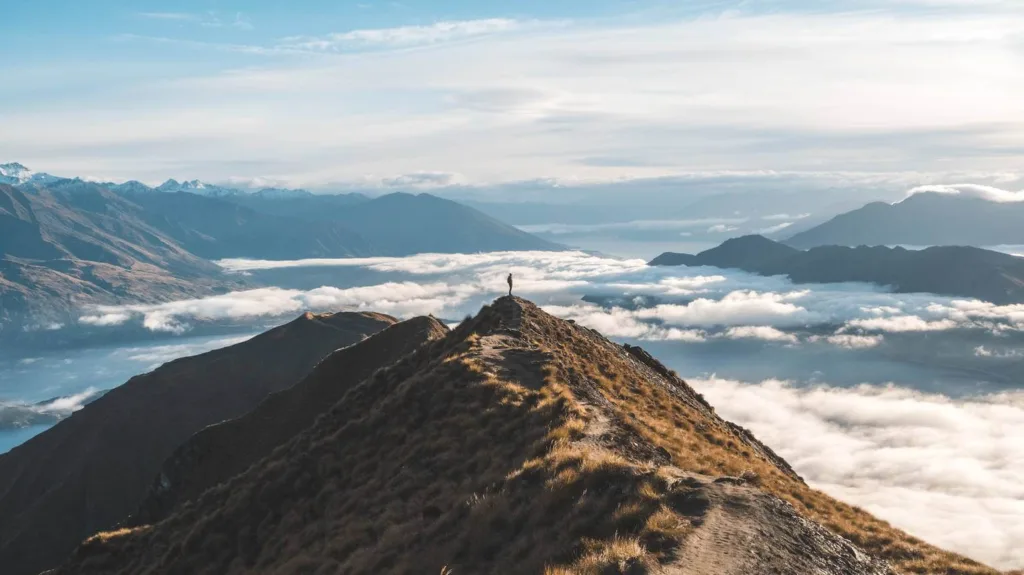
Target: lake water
pixel 39 390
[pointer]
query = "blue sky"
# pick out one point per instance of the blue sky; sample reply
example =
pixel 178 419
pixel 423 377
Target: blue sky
pixel 433 93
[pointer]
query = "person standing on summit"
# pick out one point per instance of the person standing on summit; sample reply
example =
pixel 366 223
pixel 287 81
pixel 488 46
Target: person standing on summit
pixel 509 284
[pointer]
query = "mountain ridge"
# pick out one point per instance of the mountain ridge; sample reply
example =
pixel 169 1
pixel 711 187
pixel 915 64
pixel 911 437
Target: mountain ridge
pixel 223 450
pixel 519 440
pixel 92 468
pixel 924 219
pixel 945 270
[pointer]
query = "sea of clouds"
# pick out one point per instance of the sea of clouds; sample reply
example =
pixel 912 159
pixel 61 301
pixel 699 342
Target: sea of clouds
pixel 948 471
pixel 945 467
pixel 654 303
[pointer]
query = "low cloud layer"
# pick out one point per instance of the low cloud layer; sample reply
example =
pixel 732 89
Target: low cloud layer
pixel 15 415
pixel 988 193
pixel 946 471
pixel 403 299
pixel 675 303
pixel 718 224
pixel 762 332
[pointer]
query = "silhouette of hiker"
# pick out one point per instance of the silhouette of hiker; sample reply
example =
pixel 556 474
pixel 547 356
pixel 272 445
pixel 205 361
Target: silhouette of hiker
pixel 509 284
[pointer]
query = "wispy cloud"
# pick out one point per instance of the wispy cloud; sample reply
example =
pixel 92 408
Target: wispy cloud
pixel 205 19
pixel 559 229
pixel 177 16
pixel 524 101
pixel 401 36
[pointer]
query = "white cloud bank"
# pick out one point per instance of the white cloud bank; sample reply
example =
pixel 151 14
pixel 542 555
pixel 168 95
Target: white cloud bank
pixel 851 341
pixel 988 193
pixel 402 299
pixel 947 471
pixel 444 31
pixel 664 303
pixel 762 332
pixel 902 323
pixel 718 224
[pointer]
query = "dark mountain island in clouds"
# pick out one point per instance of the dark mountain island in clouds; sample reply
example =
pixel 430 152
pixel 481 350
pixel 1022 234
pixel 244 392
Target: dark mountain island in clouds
pixel 517 439
pixel 68 243
pixel 950 270
pixel 923 219
pixel 92 469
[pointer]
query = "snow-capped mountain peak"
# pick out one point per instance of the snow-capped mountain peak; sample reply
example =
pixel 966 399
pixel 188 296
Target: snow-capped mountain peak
pixel 15 173
pixel 197 187
pixel 131 186
pixel 14 170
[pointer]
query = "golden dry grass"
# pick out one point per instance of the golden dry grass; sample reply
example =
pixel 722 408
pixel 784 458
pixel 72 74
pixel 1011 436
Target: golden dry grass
pixel 706 445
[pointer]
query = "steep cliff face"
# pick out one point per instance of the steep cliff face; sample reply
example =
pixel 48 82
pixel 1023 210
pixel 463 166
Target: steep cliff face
pixel 92 469
pixel 518 443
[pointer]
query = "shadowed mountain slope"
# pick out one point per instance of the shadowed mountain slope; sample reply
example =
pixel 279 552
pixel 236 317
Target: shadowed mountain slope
pixel 519 443
pixel 217 228
pixel 92 469
pixel 922 220
pixel 949 270
pixel 222 451
pixel 403 224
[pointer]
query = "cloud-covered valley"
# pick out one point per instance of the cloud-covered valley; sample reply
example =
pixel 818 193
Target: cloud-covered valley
pixel 908 405
pixel 625 296
pixel 945 470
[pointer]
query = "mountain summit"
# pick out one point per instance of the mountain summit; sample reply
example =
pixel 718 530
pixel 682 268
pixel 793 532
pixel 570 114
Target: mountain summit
pixel 517 443
pixel 15 173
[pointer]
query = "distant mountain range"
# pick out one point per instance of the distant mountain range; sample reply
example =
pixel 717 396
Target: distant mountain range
pixel 65 242
pixel 93 468
pixel 949 270
pixel 925 219
pixel 517 442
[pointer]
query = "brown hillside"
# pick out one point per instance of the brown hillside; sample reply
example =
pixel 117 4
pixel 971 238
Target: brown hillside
pixel 77 243
pixel 222 451
pixel 519 443
pixel 92 469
